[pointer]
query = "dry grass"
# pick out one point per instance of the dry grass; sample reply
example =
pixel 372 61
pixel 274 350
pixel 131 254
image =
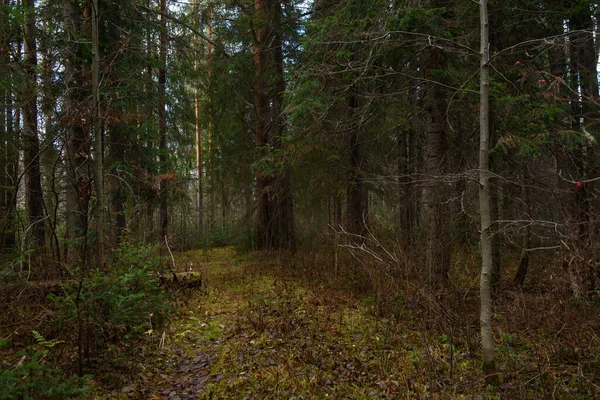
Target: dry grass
pixel 273 326
pixel 282 327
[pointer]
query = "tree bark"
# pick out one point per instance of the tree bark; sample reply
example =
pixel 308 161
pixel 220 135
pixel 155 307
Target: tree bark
pixel 4 110
pixel 284 207
pixel 162 117
pixel 34 197
pixel 584 82
pixel 275 215
pixel 97 126
pixel 8 234
pixel 523 268
pixel 487 340
pixel 197 111
pixel 77 140
pixel 264 183
pixel 357 211
pixel 118 196
pixel 438 252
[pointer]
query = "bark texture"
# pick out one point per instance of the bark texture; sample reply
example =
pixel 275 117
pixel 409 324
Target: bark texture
pixel 275 215
pixel 162 121
pixel 433 194
pixel 33 180
pixel 487 340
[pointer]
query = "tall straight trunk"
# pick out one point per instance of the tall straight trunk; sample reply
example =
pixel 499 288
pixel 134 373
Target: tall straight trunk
pixel 584 60
pixel 284 207
pixel 3 163
pixel 120 133
pixel 209 174
pixel 209 50
pixel 197 110
pixel 522 270
pixel 8 234
pixel 584 107
pixel 356 191
pixel 437 243
pixel 4 143
pixel 118 196
pixel 494 210
pixel 97 125
pixel 77 147
pixel 264 183
pixel 34 197
pixel 275 219
pixel 162 121
pixel 487 340
pixel 406 161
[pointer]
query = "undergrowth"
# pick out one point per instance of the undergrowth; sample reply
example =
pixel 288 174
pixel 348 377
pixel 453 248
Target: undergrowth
pixel 323 325
pixel 88 324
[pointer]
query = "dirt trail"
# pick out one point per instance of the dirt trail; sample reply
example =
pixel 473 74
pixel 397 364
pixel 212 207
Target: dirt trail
pixel 257 330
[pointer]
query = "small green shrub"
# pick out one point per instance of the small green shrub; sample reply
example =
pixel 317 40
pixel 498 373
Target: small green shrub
pixel 121 302
pixel 26 375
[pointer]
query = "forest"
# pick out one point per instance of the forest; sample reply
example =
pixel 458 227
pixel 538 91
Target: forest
pixel 295 199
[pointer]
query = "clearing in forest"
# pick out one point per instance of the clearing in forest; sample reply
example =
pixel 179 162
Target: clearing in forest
pixel 257 329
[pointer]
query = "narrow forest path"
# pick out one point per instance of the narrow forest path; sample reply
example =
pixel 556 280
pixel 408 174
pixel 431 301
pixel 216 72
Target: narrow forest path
pixel 259 331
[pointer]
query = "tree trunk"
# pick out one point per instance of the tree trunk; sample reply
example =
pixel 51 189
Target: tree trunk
pixel 438 252
pixel 4 110
pixel 284 206
pixel 34 197
pixel 406 164
pixel 197 110
pixel 357 211
pixel 487 340
pixel 8 234
pixel 584 82
pixel 118 196
pixel 264 183
pixel 162 117
pixel 494 209
pixel 275 218
pixel 522 270
pixel 77 144
pixel 98 151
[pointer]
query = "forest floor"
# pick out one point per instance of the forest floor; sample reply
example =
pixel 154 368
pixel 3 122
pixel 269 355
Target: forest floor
pixel 257 329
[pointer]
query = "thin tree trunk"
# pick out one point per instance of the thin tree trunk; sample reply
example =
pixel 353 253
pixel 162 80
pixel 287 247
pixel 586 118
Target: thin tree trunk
pixel 97 125
pixel 77 145
pixel 405 159
pixel 494 209
pixel 4 143
pixel 284 206
pixel 199 208
pixel 356 192
pixel 487 340
pixel 438 252
pixel 522 270
pixel 34 195
pixel 584 83
pixel 162 117
pixel 8 234
pixel 118 196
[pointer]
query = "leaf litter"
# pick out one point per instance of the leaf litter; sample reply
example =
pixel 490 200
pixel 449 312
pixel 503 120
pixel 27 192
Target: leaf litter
pixel 261 332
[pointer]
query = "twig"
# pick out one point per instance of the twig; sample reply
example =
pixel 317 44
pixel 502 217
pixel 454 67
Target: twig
pixel 175 279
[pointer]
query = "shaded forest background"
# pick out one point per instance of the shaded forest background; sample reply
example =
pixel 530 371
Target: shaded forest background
pixel 344 132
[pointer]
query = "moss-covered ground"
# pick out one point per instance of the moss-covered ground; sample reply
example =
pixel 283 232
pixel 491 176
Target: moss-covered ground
pixel 256 329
